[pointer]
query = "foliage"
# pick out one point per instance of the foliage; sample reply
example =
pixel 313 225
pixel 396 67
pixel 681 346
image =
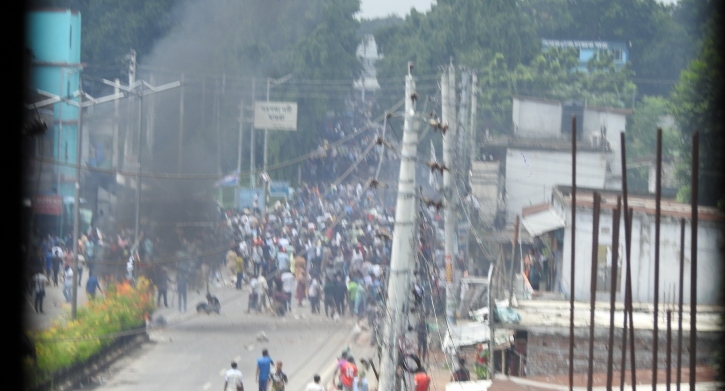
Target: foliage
pixel 64 344
pixel 111 28
pixel 370 26
pixel 641 137
pixel 697 103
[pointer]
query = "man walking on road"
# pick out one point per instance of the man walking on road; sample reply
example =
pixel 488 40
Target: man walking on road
pixel 315 385
pixel 39 282
pixel 67 283
pixel 181 287
pixel 233 379
pixel 278 378
pixel 91 286
pixel 264 366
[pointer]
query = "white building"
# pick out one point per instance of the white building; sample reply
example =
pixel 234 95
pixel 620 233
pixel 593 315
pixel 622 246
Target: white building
pixel 538 158
pixel 555 219
pixel 367 52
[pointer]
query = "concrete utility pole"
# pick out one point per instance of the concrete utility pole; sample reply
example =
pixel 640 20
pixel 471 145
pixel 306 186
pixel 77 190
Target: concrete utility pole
pixel 239 152
pixel 448 109
pixel 116 118
pixel 252 170
pixel 270 82
pixel 472 126
pixel 181 126
pixel 464 160
pixel 401 258
pixel 77 203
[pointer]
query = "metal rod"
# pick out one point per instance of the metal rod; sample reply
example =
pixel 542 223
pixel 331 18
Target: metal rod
pixel 613 289
pixel 573 253
pixel 658 211
pixel 593 287
pixel 633 357
pixel 252 147
pixel 680 301
pixel 628 279
pixel 693 255
pixel 669 350
pixel 513 258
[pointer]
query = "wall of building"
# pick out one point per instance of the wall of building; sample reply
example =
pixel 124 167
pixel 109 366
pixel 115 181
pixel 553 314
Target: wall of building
pixel 709 255
pixel 486 189
pixel 536 118
pixel 531 175
pixel 548 351
pixel 54 37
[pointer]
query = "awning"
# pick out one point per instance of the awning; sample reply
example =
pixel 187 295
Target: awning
pixel 541 222
pixel 470 334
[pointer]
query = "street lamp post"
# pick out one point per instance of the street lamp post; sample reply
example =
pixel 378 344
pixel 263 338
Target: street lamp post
pixel 270 83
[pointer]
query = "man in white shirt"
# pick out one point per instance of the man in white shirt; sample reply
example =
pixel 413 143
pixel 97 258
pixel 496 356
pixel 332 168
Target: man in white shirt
pixel 315 385
pixel 313 293
pixel 253 296
pixel 233 379
pixel 262 288
pixel 288 282
pixel 67 283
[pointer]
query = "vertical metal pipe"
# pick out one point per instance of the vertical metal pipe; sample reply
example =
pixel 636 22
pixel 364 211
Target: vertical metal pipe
pixel 625 330
pixel 573 254
pixel 658 211
pixel 680 301
pixel 514 240
pixel 593 287
pixel 628 279
pixel 669 350
pixel 694 190
pixel 633 359
pixel 613 289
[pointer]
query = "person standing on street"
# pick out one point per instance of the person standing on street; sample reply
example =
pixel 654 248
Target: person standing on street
pixel 288 281
pixel 39 282
pixel 278 379
pixel 57 260
pixel 233 379
pixel 182 284
pixel 314 295
pixel 348 373
pixel 68 283
pixel 91 286
pixel 264 366
pixel 315 385
pixel 239 268
pixel 162 285
pixel 421 380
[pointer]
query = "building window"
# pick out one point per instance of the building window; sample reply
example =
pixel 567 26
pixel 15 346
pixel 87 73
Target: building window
pixel 604 268
pixel 617 53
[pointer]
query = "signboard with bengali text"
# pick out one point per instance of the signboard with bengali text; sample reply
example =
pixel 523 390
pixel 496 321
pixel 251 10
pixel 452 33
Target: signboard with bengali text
pixel 48 205
pixel 275 115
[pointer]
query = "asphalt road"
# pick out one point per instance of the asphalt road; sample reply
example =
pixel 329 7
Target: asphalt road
pixel 193 352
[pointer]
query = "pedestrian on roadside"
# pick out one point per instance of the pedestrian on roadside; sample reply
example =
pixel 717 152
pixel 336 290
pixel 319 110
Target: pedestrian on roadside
pixel 461 374
pixel 182 284
pixel 56 261
pixel 68 283
pixel 315 385
pixel 91 286
pixel 360 383
pixel 421 380
pixel 264 367
pixel 162 285
pixel 39 282
pixel 422 331
pixel 313 293
pixel 348 373
pixel 329 297
pixel 233 379
pixel 278 379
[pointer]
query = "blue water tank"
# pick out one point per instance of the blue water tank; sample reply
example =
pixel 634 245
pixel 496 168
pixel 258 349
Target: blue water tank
pixel 54 38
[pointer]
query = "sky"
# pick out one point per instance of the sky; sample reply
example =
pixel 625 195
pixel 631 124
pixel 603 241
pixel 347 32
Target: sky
pixel 382 8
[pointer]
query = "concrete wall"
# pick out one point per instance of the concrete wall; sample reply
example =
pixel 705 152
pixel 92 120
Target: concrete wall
pixel 531 174
pixel 486 189
pixel 536 118
pixel 709 255
pixel 614 124
pixel 548 351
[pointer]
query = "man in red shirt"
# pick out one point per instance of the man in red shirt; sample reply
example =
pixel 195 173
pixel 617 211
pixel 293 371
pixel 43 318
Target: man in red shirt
pixel 348 373
pixel 421 380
